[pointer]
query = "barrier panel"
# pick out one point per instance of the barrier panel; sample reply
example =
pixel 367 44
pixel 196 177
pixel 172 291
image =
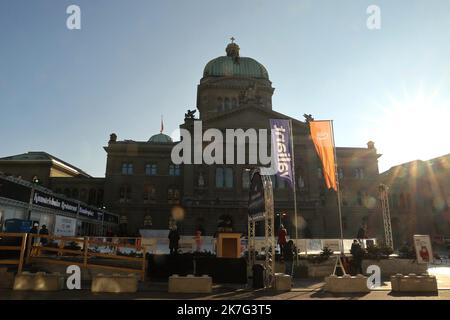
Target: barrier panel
pixel 83 251
pixel 10 243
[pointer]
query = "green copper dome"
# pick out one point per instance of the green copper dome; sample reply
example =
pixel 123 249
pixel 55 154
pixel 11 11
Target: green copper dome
pixel 233 65
pixel 160 138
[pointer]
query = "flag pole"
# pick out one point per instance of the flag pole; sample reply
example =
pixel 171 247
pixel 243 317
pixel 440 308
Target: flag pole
pixel 295 189
pixel 338 189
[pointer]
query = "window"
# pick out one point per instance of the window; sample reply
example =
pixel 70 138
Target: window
pixel 234 103
pixel 174 170
pixel 224 178
pixel 151 169
pixel 219 177
pixel 360 198
pixel 124 193
pixel 219 104
pixel 173 195
pixel 358 173
pixel 245 179
pixel 228 178
pixel 227 104
pixel 149 193
pixel 127 168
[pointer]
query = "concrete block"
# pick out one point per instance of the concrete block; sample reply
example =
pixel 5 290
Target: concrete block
pixel 115 283
pixel 282 282
pixel 414 283
pixel 346 284
pixel 6 279
pixel 190 284
pixel 40 281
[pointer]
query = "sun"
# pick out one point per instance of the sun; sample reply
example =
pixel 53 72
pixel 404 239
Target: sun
pixel 415 126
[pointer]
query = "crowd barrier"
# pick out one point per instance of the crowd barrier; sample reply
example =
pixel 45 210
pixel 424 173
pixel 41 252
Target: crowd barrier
pixel 12 249
pixel 189 244
pixel 84 251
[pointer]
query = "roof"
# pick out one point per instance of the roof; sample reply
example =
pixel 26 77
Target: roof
pixel 44 156
pixel 229 66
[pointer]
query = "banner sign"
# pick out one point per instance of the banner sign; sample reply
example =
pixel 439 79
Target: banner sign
pixel 322 136
pixel 281 140
pixel 424 252
pixel 91 213
pixel 14 190
pixel 52 202
pixel 65 226
pixel 256 202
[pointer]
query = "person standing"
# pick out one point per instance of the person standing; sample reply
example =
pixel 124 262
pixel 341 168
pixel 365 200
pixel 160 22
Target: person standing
pixel 357 253
pixel 43 231
pixel 174 237
pixel 362 232
pixel 282 233
pixel 289 253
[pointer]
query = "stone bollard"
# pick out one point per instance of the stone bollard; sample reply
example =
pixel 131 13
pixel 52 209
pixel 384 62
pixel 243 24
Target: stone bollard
pixel 115 283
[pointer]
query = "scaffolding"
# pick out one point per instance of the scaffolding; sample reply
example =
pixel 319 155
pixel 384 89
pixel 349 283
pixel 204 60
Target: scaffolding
pixel 269 248
pixel 384 198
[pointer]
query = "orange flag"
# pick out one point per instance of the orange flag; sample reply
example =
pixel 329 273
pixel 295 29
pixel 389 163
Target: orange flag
pixel 322 137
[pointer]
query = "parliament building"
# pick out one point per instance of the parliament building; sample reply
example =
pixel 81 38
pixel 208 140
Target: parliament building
pixel 143 186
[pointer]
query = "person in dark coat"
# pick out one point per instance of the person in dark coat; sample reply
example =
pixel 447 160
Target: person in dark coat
pixel 44 231
pixel 357 253
pixel 34 229
pixel 174 237
pixel 282 233
pixel 289 253
pixel 362 232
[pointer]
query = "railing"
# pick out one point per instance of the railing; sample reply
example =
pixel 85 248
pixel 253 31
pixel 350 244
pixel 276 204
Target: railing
pixel 83 251
pixel 13 246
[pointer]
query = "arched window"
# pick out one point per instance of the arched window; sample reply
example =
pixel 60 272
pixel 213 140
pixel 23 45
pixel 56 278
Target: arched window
pixel 149 193
pixel 75 193
pixel 219 104
pixel 125 193
pixel 173 195
pixel 227 104
pixel 234 103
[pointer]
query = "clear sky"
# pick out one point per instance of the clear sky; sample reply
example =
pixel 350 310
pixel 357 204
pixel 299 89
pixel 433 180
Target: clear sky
pixel 64 91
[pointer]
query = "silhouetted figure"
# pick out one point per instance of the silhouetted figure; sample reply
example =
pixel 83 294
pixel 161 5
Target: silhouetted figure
pixel 282 233
pixel 174 237
pixel 357 253
pixel 44 231
pixel 289 253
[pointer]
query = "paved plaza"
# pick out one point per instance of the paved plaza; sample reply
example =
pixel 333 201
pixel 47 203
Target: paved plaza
pixel 304 289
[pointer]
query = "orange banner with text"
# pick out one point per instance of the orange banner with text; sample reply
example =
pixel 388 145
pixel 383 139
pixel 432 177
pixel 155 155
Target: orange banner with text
pixel 322 136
